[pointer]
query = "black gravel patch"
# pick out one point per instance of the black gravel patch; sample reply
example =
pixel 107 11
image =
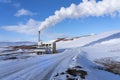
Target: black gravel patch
pixel 73 73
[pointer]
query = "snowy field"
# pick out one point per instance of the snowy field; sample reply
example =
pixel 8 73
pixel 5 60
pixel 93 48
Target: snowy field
pixel 84 58
pixel 16 50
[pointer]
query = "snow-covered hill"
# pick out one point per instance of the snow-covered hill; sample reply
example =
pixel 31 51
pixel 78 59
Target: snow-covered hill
pixel 95 57
pixel 89 40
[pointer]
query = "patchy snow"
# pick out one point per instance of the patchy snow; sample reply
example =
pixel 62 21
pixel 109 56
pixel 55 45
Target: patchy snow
pixel 78 55
pixel 113 41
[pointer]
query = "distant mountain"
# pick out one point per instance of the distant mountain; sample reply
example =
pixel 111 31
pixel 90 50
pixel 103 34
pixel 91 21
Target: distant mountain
pixel 16 43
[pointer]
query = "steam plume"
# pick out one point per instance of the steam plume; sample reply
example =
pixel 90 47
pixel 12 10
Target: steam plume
pixel 85 9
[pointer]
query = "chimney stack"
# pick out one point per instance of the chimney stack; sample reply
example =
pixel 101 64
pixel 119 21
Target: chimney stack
pixel 38 36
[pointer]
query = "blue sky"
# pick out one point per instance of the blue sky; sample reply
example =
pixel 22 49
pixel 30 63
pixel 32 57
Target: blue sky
pixel 20 19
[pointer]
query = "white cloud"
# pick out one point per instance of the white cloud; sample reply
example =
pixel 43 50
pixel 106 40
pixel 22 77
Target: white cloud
pixel 85 9
pixel 31 27
pixel 11 2
pixel 24 12
pixel 16 4
pixel 5 1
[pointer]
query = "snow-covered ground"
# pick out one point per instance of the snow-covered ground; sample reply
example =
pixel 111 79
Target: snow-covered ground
pixel 16 50
pixel 75 61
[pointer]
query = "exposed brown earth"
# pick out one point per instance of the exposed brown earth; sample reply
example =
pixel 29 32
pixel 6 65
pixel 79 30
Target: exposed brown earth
pixel 110 65
pixel 24 47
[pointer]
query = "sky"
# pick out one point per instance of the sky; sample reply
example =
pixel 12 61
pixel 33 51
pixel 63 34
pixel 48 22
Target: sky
pixel 20 20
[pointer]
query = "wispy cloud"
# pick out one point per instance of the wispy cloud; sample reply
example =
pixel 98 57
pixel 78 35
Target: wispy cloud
pixel 16 4
pixel 31 27
pixel 11 2
pixel 5 1
pixel 23 12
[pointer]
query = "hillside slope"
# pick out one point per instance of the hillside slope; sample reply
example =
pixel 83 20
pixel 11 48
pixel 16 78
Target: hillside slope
pixel 81 59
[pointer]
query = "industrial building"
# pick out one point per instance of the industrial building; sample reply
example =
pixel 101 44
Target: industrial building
pixel 45 47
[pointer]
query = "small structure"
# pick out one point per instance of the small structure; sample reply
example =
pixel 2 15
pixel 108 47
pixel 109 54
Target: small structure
pixel 45 47
pixel 54 48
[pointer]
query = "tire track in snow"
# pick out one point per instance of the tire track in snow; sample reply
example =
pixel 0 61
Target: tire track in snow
pixel 19 67
pixel 47 77
pixel 33 72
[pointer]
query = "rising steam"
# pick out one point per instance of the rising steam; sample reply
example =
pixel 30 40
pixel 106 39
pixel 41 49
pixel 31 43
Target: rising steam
pixel 85 9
